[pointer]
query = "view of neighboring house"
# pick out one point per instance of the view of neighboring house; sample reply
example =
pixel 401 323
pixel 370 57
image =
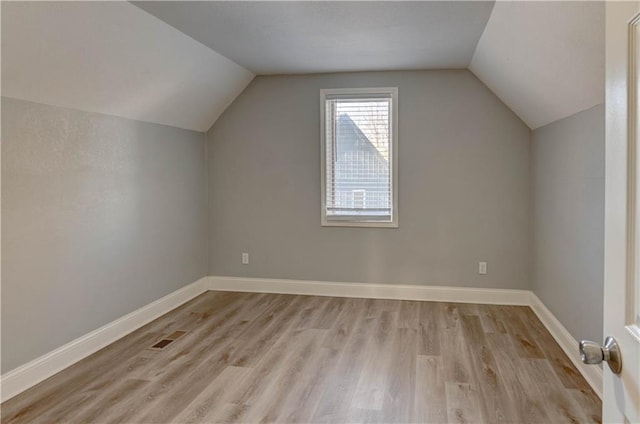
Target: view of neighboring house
pixel 361 177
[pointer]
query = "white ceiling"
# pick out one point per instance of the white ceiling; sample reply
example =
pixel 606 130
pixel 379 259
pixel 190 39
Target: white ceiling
pixel 308 37
pixel 114 58
pixel 545 60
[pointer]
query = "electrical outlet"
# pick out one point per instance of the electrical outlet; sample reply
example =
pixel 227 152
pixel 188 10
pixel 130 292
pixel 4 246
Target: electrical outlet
pixel 482 268
pixel 245 259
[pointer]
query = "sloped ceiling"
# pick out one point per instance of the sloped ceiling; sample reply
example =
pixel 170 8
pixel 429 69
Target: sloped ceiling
pixel 332 36
pixel 183 63
pixel 545 60
pixel 114 58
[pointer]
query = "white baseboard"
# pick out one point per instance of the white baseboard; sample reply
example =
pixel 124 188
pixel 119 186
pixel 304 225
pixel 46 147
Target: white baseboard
pixel 569 345
pixel 593 374
pixel 372 291
pixel 33 372
pixel 30 374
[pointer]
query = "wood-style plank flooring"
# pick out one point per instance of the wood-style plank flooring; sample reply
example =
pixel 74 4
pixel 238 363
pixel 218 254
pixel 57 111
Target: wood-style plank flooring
pixel 249 357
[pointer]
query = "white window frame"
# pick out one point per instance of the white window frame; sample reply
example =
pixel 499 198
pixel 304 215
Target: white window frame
pixel 357 92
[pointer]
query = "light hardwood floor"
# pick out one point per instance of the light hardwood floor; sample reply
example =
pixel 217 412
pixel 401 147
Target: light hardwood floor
pixel 250 357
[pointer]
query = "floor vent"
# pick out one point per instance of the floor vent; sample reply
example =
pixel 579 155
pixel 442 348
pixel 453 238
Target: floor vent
pixel 169 339
pixel 162 344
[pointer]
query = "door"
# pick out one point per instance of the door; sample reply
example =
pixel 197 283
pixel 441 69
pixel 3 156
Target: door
pixel 621 401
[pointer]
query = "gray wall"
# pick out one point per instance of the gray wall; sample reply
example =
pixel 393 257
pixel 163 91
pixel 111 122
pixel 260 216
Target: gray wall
pixel 568 220
pixel 464 179
pixel 100 216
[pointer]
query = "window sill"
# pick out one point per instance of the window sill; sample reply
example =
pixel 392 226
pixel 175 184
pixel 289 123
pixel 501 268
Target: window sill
pixel 359 224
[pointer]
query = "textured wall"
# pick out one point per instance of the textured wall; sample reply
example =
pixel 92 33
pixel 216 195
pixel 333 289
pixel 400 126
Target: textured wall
pixel 568 220
pixel 464 186
pixel 100 216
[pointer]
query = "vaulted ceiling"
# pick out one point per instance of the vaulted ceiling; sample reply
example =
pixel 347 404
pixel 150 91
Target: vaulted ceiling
pixel 325 36
pixel 182 63
pixel 545 60
pixel 114 58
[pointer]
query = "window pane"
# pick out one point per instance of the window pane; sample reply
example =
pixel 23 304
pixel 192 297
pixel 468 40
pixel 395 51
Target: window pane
pixel 358 158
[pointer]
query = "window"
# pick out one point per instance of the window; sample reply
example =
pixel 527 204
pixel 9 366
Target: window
pixel 359 157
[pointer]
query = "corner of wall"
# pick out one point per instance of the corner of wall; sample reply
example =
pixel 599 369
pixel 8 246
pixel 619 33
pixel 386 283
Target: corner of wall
pixel 207 195
pixel 470 70
pixel 532 235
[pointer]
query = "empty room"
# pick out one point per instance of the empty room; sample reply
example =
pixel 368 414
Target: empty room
pixel 320 212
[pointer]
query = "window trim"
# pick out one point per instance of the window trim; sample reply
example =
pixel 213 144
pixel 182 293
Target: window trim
pixel 356 92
